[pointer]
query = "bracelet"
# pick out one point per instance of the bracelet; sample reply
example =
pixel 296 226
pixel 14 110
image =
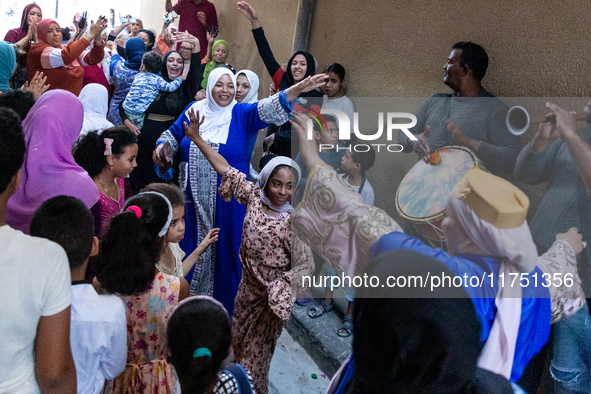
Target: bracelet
pixel 88 37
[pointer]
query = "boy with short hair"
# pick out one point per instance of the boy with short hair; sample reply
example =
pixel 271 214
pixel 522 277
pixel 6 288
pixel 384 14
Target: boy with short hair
pixel 98 329
pixel 34 288
pixel 145 88
pixel 330 150
pixel 354 165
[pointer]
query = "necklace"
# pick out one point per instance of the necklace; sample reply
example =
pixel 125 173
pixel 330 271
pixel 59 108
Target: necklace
pixel 106 191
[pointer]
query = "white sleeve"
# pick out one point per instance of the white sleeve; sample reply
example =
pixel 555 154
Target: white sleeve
pixel 114 358
pixel 54 270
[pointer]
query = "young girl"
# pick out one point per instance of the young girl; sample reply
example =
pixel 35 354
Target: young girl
pixel 334 98
pixel 199 339
pixel 264 302
pixel 171 256
pixel 108 157
pixel 126 266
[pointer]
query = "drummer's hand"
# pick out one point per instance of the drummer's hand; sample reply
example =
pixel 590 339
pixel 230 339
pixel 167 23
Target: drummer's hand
pixel 566 123
pixel 156 155
pixel 460 137
pixel 421 146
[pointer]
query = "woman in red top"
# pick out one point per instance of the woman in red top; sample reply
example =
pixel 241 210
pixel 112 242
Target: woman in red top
pixel 64 64
pixel 31 15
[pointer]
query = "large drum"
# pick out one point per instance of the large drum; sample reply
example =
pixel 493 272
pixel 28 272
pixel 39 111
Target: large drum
pixel 421 198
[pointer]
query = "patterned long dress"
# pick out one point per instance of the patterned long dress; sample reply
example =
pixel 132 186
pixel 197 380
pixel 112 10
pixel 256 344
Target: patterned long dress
pixel 217 271
pixel 265 296
pixel 147 370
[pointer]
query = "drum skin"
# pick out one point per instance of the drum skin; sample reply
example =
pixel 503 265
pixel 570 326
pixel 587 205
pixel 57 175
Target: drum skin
pixel 422 195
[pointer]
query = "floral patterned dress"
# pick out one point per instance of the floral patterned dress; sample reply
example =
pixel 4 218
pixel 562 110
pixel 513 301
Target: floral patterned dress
pixel 147 370
pixel 265 296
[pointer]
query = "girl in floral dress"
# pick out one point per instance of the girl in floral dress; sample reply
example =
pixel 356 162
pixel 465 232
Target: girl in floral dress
pixel 126 267
pixel 265 299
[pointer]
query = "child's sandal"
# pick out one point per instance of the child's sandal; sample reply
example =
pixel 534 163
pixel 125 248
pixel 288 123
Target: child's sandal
pixel 346 329
pixel 315 311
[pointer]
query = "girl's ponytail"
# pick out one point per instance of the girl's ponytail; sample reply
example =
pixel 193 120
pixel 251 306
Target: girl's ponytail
pixel 199 338
pixel 130 249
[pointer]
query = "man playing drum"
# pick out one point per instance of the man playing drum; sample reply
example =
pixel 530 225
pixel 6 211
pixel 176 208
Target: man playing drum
pixel 455 119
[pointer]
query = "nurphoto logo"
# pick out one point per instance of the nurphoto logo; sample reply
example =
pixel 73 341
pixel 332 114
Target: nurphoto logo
pixel 345 127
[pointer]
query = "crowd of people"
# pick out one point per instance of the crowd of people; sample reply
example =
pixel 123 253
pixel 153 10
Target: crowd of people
pixel 143 252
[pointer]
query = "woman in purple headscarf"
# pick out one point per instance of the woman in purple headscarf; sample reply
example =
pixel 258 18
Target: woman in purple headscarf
pixel 32 15
pixel 51 128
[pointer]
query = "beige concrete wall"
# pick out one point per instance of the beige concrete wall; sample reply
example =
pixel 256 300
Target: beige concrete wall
pixel 397 49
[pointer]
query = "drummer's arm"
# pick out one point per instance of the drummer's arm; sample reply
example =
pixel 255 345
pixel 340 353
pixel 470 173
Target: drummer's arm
pixel 308 148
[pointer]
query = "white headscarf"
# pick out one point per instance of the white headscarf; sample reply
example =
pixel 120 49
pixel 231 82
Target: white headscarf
pixel 516 247
pixel 266 174
pixel 253 80
pixel 216 126
pixel 95 100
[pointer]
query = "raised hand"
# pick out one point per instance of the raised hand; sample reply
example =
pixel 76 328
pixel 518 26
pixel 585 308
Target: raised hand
pixel 32 33
pixel 192 131
pixel 247 10
pixel 211 36
pixel 312 82
pixel 308 147
pixel 97 28
pixel 36 86
pixel 250 14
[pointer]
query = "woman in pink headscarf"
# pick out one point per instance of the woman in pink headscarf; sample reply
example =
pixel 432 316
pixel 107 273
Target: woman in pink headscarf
pixel 32 15
pixel 51 128
pixel 64 64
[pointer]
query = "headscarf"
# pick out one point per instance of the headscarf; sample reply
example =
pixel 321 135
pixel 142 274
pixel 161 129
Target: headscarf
pixel 22 31
pixel 287 79
pixel 42 30
pixel 7 65
pixel 213 64
pixel 266 174
pixel 134 52
pixel 51 128
pixel 519 254
pixel 95 100
pixel 423 340
pixel 164 69
pixel 216 127
pixel 253 80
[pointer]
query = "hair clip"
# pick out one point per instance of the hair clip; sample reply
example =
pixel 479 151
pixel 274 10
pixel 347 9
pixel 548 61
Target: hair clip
pixel 108 144
pixel 202 352
pixel 136 209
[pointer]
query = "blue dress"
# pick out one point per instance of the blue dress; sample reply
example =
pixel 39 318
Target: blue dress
pixel 534 327
pixel 218 271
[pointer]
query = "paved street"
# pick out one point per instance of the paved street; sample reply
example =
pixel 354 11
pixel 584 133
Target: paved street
pixel 292 368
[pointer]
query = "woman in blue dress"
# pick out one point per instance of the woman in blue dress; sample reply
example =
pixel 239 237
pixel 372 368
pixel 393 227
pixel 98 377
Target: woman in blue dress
pixel 227 126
